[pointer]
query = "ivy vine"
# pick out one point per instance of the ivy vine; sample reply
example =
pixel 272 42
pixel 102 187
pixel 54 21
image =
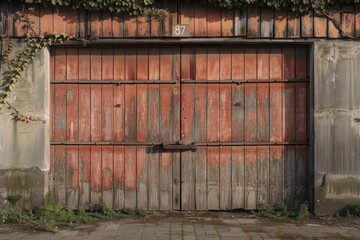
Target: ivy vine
pixel 135 7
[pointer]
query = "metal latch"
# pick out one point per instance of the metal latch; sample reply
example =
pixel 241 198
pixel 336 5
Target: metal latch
pixel 179 145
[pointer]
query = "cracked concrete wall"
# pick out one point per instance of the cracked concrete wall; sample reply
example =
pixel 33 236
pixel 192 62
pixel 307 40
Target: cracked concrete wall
pixel 337 125
pixel 24 147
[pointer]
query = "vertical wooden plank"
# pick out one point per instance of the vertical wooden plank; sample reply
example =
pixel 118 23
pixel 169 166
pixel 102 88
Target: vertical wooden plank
pixel 276 116
pixel 263 112
pixel 289 109
pixel 72 110
pixel 262 163
pixel 307 24
pixel 130 26
pixel 348 20
pixel 320 25
pixel 60 20
pixel 238 178
pixel 107 101
pixel 84 64
pixel 84 112
pixel 225 178
pixel 84 176
pixel 156 25
pixel 154 128
pixel 267 23
pixel 250 64
pixel 96 95
pixel 46 20
pixel 117 21
pixel 187 16
pixel 276 64
pixel 95 23
pixel 170 17
pixel 95 192
pixel 333 30
pixel 200 20
pixel 263 64
pixel 293 25
pixel 106 21
pixel 71 19
pixel 107 175
pixel 276 174
pixel 142 26
pixel 82 19
pixel 301 63
pixel 301 112
pixel 225 96
pixel 281 24
pixel 142 182
pixel 240 22
pixel 250 177
pixel 130 96
pixel 227 23
pixel 213 178
pixel 201 196
pixel 238 100
pixel 289 63
pixel 301 179
pixel 130 177
pixel 357 21
pixel 72 175
pixel 214 21
pixel 119 96
pixel 72 64
pixel 119 177
pixel 289 176
pixel 250 112
pixel 18 26
pixel 253 22
pixel 60 180
pixel 33 16
pixel 165 181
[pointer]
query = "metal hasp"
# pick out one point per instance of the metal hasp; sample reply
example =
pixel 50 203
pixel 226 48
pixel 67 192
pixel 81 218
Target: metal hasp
pixel 179 145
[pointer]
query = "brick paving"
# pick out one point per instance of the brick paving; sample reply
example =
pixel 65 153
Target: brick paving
pixel 185 229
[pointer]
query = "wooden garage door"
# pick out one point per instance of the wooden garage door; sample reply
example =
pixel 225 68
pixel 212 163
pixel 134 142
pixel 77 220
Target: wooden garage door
pixel 179 128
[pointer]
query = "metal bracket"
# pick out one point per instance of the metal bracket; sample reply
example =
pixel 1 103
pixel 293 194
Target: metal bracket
pixel 179 145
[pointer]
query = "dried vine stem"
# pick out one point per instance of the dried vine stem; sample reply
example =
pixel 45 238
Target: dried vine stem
pixel 337 26
pixel 23 118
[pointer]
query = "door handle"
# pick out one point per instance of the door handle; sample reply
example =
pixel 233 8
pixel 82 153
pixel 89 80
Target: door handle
pixel 179 145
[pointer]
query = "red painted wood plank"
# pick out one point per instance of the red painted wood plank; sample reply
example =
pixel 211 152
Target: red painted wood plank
pixel 84 176
pixel 320 25
pixel 307 21
pixel 156 25
pixel 276 174
pixel 238 112
pixel 19 27
pixel 130 177
pixel 72 19
pixel 72 110
pixel 119 177
pixel 263 112
pixel 72 174
pixel 107 176
pixel 187 16
pixel 301 63
pixel 95 112
pixel 130 26
pixel 142 112
pixel 142 26
pixel 276 63
pixel 301 179
pixel 142 171
pixel 171 17
pixel 213 111
pixel 106 24
pixel 250 112
pixel 225 178
pixel 301 112
pixel 253 22
pixel 225 116
pixel 293 25
pixel 95 64
pixel 60 175
pixel 276 112
pixel 213 21
pixel 95 24
pixel 289 176
pixel 154 179
pixel 333 30
pixel 227 23
pixel 200 20
pixel 166 180
pixel 60 64
pixel 84 112
pixel 267 23
pixel 250 65
pixel 250 178
pixel 281 24
pixel 263 64
pixel 240 22
pixel 82 16
pixel 263 189
pixel 95 182
pixel 84 64
pixel 60 19
pixel 117 25
pixel 33 16
pixel 60 113
pixel 201 179
pixel 289 109
pixel 176 204
pixel 357 20
pixel 72 64
pixel 46 20
pixel 289 63
pixel 238 178
pixel 119 96
pixel 213 178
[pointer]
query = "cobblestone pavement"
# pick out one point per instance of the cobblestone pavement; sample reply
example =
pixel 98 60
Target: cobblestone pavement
pixel 187 229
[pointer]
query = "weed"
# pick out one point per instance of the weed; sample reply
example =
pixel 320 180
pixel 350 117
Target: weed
pixel 281 210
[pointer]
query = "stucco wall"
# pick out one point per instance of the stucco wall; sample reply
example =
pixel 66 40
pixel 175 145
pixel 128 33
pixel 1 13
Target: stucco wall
pixel 24 147
pixel 337 125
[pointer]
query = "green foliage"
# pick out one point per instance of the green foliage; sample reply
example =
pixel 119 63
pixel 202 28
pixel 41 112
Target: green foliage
pixel 281 210
pixel 134 7
pixel 13 199
pixel 51 217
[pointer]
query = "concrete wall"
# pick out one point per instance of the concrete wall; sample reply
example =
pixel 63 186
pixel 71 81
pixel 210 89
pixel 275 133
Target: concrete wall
pixel 337 125
pixel 24 147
